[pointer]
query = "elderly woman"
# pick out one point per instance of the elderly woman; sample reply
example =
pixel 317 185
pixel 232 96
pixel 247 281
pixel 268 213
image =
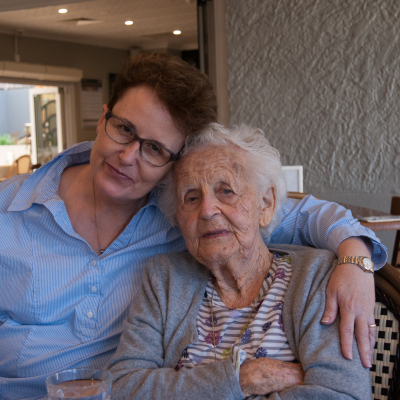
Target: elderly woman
pixel 234 317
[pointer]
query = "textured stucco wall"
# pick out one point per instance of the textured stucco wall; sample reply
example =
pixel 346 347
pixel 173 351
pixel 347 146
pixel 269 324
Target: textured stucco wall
pixel 321 78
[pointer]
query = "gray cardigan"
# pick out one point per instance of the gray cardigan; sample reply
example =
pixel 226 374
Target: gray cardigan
pixel 162 322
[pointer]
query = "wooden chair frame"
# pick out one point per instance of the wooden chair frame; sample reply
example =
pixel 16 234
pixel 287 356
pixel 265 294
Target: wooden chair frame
pixel 395 210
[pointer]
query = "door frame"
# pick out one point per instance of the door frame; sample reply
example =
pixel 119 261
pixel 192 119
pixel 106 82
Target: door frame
pixel 69 100
pixel 213 51
pixel 45 90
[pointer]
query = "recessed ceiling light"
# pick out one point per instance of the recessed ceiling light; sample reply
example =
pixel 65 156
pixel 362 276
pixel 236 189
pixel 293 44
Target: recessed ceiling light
pixel 128 22
pixel 62 10
pixel 177 32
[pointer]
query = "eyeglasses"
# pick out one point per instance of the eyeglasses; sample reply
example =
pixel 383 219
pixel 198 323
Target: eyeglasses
pixel 151 151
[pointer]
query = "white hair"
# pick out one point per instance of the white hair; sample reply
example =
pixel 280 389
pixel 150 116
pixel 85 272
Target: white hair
pixel 262 158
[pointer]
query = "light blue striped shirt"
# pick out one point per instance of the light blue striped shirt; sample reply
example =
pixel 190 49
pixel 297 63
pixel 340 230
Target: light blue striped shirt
pixel 63 306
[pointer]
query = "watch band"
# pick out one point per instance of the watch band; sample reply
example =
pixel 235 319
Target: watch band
pixel 363 262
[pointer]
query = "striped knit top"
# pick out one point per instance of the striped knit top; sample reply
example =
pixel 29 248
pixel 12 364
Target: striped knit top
pixel 262 336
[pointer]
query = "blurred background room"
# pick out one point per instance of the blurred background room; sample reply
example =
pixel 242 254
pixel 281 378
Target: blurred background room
pixel 320 77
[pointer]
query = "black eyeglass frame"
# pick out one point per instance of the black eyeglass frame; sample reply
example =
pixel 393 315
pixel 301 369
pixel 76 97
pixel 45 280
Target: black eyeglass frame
pixel 136 137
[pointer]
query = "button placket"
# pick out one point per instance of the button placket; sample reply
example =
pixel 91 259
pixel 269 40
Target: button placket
pixel 92 300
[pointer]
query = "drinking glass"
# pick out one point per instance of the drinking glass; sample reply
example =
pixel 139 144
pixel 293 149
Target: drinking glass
pixel 79 383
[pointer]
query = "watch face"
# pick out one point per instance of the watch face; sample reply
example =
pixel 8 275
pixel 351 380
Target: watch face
pixel 368 264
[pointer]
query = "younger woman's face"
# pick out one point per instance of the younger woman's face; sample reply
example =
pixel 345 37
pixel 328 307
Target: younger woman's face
pixel 119 171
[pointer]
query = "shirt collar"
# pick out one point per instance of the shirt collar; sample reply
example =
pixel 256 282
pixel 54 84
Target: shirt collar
pixel 43 184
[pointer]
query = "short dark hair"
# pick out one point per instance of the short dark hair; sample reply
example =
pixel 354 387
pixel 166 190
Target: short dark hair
pixel 184 90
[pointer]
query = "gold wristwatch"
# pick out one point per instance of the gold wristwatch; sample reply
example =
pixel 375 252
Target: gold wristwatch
pixel 363 262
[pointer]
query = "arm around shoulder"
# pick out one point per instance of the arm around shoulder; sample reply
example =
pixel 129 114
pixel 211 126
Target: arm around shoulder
pixel 323 224
pixel 328 374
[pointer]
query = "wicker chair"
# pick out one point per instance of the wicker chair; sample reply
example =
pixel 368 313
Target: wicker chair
pixel 22 164
pixel 385 371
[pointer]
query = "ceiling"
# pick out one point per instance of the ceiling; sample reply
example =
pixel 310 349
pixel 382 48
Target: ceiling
pixel 102 22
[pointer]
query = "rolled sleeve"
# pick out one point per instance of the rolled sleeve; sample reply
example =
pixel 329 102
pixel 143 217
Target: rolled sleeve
pixel 338 235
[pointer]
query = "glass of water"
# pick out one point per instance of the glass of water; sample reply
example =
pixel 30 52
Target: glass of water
pixel 79 383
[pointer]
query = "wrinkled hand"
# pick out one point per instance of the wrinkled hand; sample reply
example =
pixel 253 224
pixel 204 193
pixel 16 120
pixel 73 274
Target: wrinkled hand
pixel 265 375
pixel 353 291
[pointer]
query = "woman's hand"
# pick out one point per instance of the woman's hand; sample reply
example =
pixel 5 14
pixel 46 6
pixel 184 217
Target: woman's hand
pixel 266 375
pixel 352 291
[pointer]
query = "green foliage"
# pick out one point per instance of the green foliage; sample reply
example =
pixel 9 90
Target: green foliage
pixel 6 139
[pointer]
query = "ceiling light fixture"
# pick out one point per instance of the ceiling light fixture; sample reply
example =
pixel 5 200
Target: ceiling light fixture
pixel 128 22
pixel 62 10
pixel 177 32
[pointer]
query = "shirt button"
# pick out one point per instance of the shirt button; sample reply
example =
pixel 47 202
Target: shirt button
pixel 93 289
pixel 93 262
pixel 89 314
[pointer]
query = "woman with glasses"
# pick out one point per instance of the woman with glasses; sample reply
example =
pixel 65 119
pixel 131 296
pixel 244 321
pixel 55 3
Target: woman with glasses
pixel 77 233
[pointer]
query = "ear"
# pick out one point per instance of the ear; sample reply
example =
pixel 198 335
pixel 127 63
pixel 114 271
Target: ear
pixel 268 204
pixel 102 118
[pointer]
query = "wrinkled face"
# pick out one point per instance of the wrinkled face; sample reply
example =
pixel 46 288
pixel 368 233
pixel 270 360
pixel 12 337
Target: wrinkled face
pixel 119 171
pixel 218 209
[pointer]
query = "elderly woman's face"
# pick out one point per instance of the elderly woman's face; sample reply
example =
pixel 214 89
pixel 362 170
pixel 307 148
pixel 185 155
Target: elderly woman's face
pixel 219 210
